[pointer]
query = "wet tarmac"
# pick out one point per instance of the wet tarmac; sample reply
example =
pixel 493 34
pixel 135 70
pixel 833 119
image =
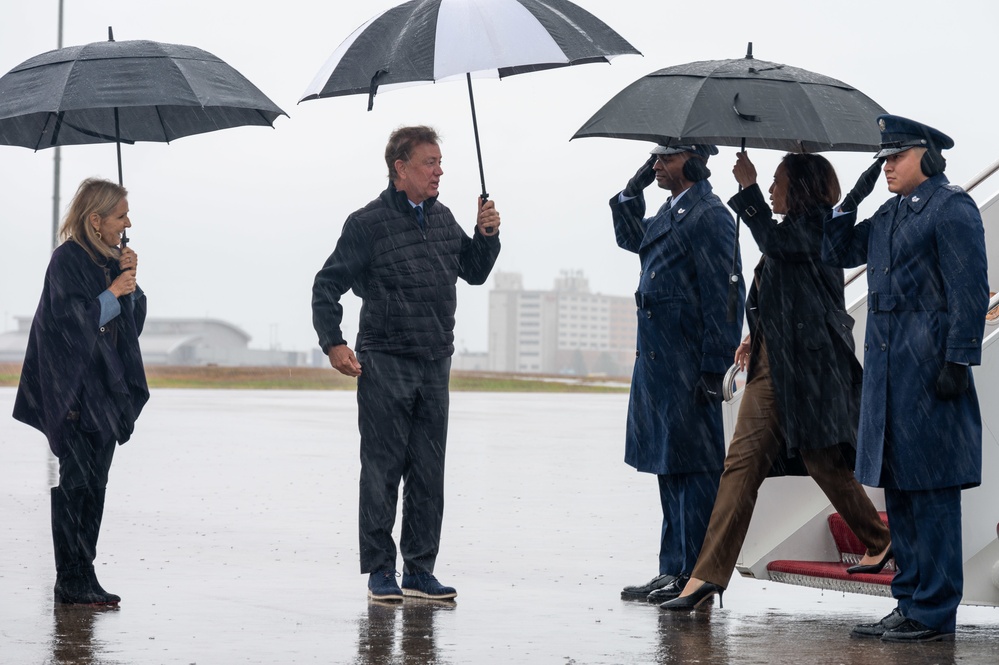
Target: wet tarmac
pixel 230 533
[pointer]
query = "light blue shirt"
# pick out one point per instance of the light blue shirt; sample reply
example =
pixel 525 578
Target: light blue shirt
pixel 110 307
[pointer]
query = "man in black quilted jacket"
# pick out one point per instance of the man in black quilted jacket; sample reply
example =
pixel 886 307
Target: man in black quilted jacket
pixel 402 254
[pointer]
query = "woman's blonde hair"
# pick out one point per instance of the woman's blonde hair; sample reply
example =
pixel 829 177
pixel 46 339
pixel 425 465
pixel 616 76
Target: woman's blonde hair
pixel 95 195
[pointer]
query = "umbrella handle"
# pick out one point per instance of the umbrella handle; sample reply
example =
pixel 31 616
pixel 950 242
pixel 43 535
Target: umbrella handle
pixel 373 88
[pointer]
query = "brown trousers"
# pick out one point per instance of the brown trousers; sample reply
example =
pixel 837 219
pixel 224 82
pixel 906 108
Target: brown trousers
pixel 755 445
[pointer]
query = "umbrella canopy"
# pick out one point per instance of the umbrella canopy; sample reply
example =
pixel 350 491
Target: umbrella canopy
pixel 435 40
pixel 113 92
pixel 744 103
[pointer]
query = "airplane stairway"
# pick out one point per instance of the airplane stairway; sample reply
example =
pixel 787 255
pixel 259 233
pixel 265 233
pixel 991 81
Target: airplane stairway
pixel 832 574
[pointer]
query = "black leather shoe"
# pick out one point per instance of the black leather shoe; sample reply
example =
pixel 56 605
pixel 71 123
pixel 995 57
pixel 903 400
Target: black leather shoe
pixel 913 631
pixel 642 591
pixel 703 593
pixel 873 568
pixel 670 591
pixel 890 622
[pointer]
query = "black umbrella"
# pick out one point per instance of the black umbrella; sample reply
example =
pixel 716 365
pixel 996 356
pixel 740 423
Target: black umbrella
pixel 123 92
pixel 435 40
pixel 741 103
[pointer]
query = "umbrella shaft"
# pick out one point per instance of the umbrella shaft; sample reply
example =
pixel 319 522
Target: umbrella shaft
pixel 117 143
pixel 475 130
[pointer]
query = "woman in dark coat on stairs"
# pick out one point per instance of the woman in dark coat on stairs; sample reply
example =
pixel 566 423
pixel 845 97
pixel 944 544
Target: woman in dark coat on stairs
pixel 82 383
pixel 802 399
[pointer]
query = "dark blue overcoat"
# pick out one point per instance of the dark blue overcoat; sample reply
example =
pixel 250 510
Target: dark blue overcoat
pixel 683 328
pixel 927 279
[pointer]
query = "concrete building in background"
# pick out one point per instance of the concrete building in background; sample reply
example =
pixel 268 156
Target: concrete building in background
pixel 567 330
pixel 178 342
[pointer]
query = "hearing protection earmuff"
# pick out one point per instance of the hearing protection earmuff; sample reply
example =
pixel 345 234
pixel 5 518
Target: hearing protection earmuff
pixel 695 169
pixel 932 163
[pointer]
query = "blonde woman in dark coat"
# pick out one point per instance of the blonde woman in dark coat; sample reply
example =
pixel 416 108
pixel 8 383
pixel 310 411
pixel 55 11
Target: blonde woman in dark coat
pixel 82 383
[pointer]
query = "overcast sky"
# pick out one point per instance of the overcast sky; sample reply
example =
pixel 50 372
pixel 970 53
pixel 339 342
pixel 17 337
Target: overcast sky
pixel 233 225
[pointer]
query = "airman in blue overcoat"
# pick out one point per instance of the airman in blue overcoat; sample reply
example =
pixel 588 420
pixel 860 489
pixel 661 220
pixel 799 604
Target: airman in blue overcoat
pixel 920 435
pixel 686 342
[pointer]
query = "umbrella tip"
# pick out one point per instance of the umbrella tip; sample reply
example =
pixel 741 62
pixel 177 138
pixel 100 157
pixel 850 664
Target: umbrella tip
pixel 749 50
pixel 110 34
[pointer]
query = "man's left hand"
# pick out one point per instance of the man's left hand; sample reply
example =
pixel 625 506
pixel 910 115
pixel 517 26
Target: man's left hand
pixel 489 218
pixel 709 388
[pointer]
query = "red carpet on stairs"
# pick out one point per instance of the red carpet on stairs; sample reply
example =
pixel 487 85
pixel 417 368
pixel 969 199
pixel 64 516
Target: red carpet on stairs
pixel 850 549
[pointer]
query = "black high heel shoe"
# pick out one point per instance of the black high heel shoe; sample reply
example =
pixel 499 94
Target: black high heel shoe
pixel 873 568
pixel 688 603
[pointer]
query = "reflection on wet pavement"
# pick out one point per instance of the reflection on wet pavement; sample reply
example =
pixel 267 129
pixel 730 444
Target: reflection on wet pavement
pixel 73 635
pixel 231 534
pixel 400 632
pixel 713 638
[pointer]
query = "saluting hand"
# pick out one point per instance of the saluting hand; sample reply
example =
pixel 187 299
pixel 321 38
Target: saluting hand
pixel 644 176
pixel 865 185
pixel 489 218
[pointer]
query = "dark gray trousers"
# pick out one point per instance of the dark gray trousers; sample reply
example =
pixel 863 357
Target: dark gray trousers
pixel 402 417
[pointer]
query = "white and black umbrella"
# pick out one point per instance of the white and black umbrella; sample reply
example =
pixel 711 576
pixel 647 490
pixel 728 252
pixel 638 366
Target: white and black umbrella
pixel 123 92
pixel 437 40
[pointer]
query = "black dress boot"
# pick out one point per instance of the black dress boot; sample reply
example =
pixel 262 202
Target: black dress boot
pixel 73 585
pixel 90 532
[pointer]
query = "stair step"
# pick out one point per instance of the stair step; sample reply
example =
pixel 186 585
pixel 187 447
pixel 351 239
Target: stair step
pixel 830 575
pixel 847 543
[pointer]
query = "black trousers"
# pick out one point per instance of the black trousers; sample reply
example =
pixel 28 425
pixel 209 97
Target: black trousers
pixel 78 501
pixel 402 416
pixel 87 460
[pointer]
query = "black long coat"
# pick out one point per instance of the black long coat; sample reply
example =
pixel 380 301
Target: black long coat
pixel 73 363
pixel 797 306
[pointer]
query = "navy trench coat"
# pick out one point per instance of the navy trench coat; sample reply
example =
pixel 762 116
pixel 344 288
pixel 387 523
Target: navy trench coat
pixel 927 279
pixel 683 328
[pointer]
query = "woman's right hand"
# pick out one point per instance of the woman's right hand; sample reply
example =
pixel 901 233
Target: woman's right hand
pixel 123 284
pixel 742 354
pixel 744 170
